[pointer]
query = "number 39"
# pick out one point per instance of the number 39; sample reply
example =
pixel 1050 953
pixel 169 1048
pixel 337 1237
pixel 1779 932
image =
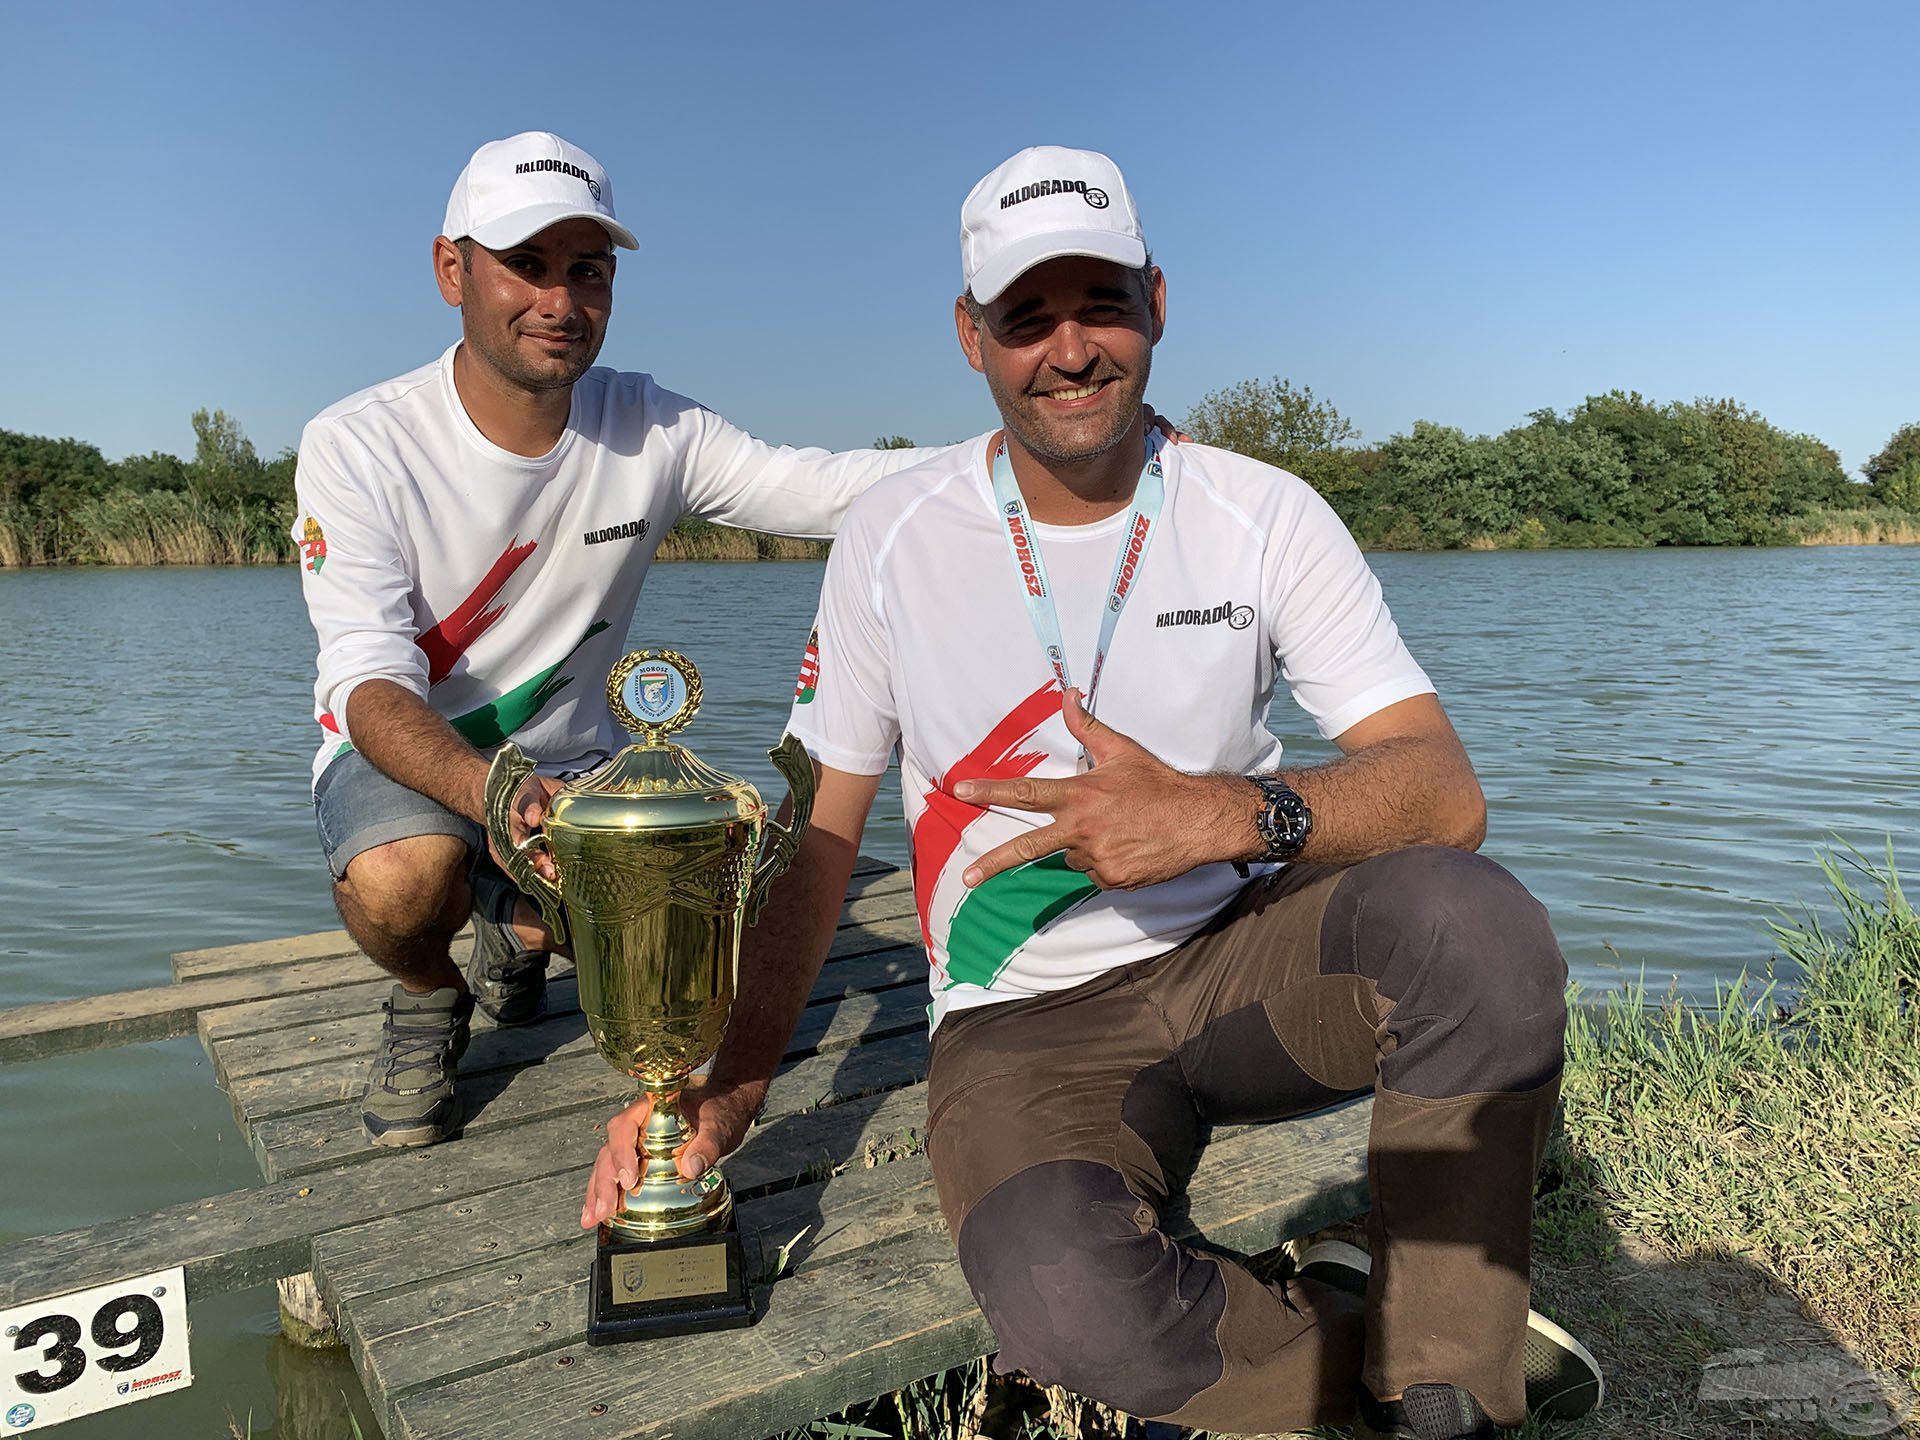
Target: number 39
pixel 70 1361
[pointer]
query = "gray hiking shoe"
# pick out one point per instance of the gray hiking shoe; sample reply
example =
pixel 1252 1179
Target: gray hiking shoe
pixel 508 982
pixel 1563 1379
pixel 410 1099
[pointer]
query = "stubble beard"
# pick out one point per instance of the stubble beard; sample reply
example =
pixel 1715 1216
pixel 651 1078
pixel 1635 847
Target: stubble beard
pixel 1056 444
pixel 507 360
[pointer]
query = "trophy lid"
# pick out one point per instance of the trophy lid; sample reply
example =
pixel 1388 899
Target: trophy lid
pixel 654 784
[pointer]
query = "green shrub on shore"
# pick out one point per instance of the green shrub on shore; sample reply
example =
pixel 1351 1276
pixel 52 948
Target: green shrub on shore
pixel 1616 470
pixel 62 502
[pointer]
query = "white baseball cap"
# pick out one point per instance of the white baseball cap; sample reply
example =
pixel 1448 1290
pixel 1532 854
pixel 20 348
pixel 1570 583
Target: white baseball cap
pixel 1046 202
pixel 519 186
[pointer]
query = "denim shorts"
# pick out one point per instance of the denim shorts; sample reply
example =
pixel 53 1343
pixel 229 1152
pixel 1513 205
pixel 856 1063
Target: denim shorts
pixel 356 807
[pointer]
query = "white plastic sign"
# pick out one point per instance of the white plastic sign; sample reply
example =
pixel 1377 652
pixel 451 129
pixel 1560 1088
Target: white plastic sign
pixel 93 1350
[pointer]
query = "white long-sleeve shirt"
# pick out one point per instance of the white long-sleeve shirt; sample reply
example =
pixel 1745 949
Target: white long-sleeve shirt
pixel 499 587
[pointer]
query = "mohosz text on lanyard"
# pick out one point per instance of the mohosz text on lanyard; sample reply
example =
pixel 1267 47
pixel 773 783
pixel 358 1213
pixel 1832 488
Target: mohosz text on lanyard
pixel 1142 518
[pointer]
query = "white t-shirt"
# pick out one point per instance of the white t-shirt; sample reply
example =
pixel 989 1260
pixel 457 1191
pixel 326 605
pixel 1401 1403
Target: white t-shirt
pixel 499 587
pixel 923 642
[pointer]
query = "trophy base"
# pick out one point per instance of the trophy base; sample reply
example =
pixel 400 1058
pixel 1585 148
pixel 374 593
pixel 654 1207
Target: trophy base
pixel 647 1288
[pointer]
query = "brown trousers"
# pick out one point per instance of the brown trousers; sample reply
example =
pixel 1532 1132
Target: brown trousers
pixel 1061 1126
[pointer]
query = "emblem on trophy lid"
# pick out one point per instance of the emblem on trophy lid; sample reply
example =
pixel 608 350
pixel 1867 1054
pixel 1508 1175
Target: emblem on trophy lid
pixel 653 693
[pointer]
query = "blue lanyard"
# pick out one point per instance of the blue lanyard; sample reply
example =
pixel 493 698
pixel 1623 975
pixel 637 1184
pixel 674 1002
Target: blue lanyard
pixel 1148 496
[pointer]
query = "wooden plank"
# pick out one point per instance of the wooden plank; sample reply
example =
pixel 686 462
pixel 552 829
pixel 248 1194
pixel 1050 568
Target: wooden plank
pixel 357 1033
pixel 274 1100
pixel 810 1345
pixel 360 998
pixel 456 1235
pixel 57 1027
pixel 278 1093
pixel 839 1331
pixel 321 1139
pixel 247 1237
pixel 874 879
pixel 350 1024
pixel 364 999
pixel 256 954
pixel 245 1056
pixel 529 1303
pixel 860 1019
pixel 291 1090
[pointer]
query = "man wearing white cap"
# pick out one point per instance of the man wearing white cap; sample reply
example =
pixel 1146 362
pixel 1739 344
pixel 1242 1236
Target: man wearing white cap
pixel 473 536
pixel 1143 924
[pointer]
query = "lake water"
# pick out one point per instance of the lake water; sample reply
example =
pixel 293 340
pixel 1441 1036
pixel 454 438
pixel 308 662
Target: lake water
pixel 1665 738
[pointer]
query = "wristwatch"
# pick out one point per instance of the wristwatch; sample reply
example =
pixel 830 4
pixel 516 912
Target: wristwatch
pixel 1284 821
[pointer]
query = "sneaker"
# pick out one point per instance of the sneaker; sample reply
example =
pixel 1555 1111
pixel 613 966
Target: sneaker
pixel 1425 1412
pixel 410 1099
pixel 508 982
pixel 1563 1379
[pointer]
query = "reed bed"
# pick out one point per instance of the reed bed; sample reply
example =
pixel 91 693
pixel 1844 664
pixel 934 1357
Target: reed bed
pixel 180 528
pixel 1881 526
pixel 703 540
pixel 157 528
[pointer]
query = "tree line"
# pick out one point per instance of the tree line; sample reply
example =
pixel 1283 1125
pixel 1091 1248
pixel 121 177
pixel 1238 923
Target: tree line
pixel 63 501
pixel 1617 469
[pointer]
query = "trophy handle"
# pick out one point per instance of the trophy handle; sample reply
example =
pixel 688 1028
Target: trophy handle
pixel 505 776
pixel 790 758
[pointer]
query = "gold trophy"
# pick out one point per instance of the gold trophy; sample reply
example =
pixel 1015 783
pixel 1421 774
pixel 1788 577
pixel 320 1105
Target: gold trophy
pixel 660 868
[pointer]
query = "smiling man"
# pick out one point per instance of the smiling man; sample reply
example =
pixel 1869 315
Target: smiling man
pixel 1143 924
pixel 473 539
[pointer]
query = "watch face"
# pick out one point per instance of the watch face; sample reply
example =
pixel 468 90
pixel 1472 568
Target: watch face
pixel 1285 822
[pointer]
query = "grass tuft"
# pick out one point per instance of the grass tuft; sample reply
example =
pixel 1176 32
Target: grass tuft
pixel 1782 1129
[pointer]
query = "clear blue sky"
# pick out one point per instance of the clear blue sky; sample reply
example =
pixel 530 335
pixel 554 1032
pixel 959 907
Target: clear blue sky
pixel 1456 212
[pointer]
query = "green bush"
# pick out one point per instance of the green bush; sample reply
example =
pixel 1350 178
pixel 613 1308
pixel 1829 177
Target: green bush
pixel 61 501
pixel 1618 469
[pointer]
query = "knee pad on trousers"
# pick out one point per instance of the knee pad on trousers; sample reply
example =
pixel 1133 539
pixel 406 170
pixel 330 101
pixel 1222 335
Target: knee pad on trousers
pixel 1467 958
pixel 1079 1295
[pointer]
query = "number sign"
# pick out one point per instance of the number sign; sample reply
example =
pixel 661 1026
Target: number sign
pixel 92 1350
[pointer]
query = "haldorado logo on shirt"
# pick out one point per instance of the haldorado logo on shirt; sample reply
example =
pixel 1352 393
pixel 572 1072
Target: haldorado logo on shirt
pixel 809 680
pixel 313 545
pixel 629 530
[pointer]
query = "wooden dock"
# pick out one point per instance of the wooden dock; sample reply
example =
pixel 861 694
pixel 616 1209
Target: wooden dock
pixel 457 1274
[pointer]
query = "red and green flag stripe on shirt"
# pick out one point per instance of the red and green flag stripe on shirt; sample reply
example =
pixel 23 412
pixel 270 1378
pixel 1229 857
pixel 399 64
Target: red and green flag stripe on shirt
pixel 446 642
pixel 994 919
pixel 493 723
